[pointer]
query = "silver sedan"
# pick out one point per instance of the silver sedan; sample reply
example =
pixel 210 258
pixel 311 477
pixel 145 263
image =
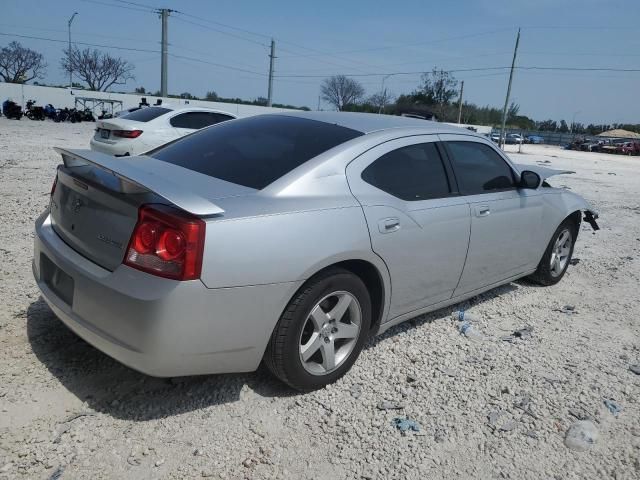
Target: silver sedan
pixel 290 239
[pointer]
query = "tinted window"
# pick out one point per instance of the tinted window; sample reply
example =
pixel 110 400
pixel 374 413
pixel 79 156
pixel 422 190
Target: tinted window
pixel 254 151
pixel 146 114
pixel 479 168
pixel 198 120
pixel 410 173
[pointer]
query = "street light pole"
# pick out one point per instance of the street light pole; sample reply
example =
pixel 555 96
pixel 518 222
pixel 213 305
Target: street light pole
pixel 69 51
pixel 383 93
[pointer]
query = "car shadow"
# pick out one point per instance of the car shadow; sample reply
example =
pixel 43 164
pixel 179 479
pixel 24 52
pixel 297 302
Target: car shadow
pixel 109 387
pixel 441 313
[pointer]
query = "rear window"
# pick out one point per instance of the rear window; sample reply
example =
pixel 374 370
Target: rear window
pixel 255 151
pixel 146 114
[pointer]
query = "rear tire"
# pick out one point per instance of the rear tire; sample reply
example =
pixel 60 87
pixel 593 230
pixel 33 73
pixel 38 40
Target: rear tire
pixel 557 256
pixel 321 332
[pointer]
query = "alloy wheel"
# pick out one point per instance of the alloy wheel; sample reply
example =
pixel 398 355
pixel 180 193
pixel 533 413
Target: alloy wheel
pixel 330 333
pixel 560 253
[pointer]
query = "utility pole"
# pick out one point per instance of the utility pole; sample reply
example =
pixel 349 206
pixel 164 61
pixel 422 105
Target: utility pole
pixel 272 57
pixel 460 102
pixel 164 14
pixel 506 101
pixel 69 51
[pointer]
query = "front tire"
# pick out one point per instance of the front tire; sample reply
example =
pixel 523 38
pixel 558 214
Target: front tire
pixel 557 256
pixel 321 332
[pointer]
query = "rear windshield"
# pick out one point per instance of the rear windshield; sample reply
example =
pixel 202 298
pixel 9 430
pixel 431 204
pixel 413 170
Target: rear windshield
pixel 146 114
pixel 255 151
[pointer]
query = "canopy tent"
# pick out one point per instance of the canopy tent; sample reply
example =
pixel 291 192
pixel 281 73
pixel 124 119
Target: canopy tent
pixel 619 133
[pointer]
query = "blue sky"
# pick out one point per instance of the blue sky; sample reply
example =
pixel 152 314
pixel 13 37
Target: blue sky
pixel 371 38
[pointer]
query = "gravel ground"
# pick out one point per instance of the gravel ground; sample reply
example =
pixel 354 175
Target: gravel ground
pixel 487 409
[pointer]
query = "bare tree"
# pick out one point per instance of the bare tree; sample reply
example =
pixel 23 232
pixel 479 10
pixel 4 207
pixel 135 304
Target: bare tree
pixel 340 91
pixel 438 88
pixel 97 69
pixel 381 100
pixel 19 64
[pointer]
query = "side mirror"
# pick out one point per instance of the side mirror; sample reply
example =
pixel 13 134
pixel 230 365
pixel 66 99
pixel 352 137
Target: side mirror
pixel 529 179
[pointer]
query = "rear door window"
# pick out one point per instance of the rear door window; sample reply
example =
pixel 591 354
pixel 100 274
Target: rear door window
pixel 146 114
pixel 198 120
pixel 254 151
pixel 479 168
pixel 410 173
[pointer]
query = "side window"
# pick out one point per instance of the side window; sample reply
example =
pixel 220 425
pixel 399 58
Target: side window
pixel 410 173
pixel 479 169
pixel 198 120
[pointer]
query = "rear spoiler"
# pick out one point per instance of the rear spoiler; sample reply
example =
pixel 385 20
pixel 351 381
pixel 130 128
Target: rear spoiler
pixel 148 173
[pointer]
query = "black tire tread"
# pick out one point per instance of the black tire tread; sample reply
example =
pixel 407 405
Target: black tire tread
pixel 542 275
pixel 275 352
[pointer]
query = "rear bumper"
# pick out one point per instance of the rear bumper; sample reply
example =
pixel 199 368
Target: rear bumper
pixel 158 326
pixel 112 148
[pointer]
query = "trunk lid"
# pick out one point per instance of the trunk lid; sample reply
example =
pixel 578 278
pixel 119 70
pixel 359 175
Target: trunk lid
pixel 94 208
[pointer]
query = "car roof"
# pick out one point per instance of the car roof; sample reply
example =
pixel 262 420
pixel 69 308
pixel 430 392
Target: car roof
pixel 371 122
pixel 187 108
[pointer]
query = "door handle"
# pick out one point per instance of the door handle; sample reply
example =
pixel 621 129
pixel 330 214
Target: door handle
pixel 483 211
pixel 388 225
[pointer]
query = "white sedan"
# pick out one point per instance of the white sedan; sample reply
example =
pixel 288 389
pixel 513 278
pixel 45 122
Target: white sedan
pixel 150 127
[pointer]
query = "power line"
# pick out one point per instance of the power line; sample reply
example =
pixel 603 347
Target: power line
pixel 80 43
pixel 231 27
pixel 391 73
pixel 137 4
pixel 416 44
pixel 220 31
pixel 119 6
pixel 229 67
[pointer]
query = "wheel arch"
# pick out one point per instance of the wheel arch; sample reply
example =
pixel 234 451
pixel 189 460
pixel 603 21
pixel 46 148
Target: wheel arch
pixel 373 273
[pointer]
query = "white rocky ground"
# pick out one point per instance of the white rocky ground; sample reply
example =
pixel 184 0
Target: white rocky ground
pixel 490 409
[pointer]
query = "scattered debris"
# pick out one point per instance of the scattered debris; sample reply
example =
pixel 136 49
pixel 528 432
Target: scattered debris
pixel 159 462
pixel 531 434
pixel 57 473
pixel 522 333
pixel 635 369
pixel 468 331
pixel 411 378
pixel 493 417
pixel 508 426
pixel 613 406
pixel 568 309
pixel 574 261
pixel 581 436
pixel 405 424
pixel 611 173
pixel 355 390
pixel 449 372
pixel 386 405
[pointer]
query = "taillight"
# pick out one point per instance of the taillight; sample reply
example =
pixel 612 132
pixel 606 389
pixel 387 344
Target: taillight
pixel 167 242
pixel 126 133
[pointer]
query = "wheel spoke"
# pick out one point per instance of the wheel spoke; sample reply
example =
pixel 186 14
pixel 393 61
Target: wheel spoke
pixel 308 349
pixel 340 309
pixel 328 355
pixel 319 317
pixel 346 330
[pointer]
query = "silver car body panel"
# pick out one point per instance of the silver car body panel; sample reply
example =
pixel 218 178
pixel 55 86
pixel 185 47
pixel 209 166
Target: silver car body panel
pixel 261 246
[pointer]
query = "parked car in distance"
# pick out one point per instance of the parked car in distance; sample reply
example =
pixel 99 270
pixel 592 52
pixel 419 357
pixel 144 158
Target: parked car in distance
pixel 149 127
pixel 535 139
pixel 290 238
pixel 495 137
pixel 629 148
pixel 514 138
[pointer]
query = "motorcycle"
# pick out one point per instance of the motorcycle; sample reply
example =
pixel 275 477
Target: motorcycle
pixel 87 115
pixel 11 110
pixel 33 112
pixel 50 111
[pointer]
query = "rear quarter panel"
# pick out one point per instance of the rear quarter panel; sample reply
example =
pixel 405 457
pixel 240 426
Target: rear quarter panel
pixel 283 247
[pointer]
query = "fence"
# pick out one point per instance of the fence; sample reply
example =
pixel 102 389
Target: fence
pixel 65 97
pixel 550 138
